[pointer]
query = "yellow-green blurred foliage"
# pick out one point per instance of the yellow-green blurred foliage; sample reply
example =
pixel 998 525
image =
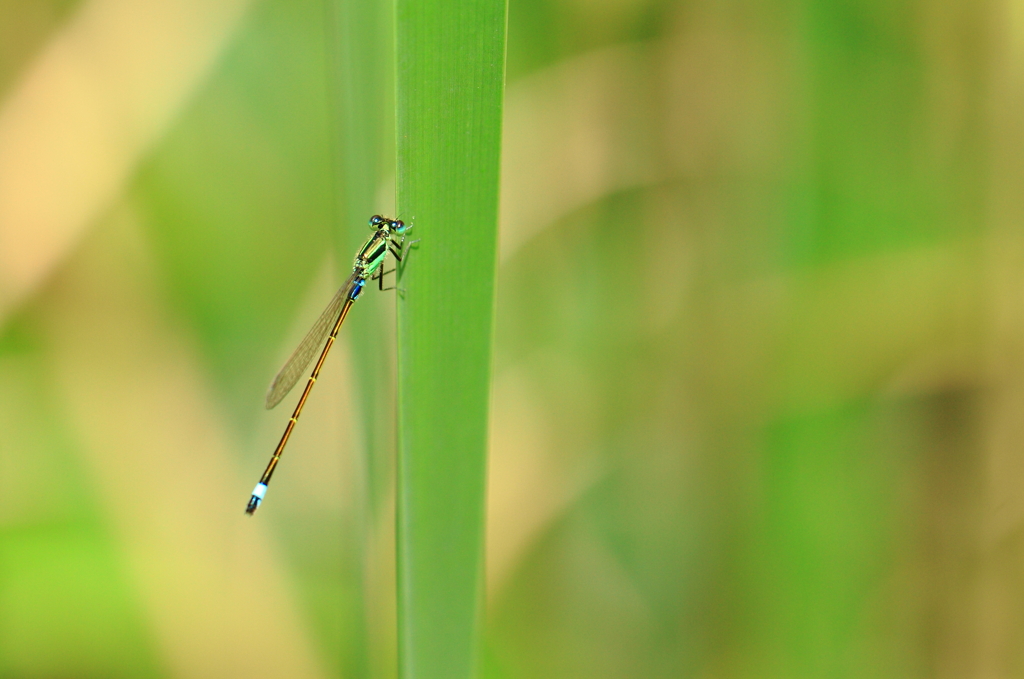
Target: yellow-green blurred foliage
pixel 758 404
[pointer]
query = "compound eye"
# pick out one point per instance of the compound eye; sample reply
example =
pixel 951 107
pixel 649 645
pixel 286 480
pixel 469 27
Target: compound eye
pixel 376 221
pixel 398 226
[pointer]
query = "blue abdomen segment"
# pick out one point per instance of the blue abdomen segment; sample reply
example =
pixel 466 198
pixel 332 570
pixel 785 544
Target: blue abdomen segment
pixel 356 289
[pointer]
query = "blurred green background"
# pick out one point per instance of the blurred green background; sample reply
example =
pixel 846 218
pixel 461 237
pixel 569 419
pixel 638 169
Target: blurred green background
pixel 758 402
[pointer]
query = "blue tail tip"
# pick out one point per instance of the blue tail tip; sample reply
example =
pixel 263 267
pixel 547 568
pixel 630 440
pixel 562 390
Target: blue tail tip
pixel 257 497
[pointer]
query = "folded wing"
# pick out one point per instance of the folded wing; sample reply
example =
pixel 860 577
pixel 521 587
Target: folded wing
pixel 296 365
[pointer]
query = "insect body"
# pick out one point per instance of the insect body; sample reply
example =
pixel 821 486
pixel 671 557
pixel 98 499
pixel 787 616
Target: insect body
pixel 388 237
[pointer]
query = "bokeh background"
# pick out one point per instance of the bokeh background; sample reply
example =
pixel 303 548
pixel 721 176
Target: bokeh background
pixel 758 405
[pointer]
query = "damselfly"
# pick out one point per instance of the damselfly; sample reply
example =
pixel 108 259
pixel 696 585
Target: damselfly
pixel 388 236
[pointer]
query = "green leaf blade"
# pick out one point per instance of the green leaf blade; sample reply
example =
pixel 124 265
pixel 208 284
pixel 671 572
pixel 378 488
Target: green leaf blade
pixel 449 91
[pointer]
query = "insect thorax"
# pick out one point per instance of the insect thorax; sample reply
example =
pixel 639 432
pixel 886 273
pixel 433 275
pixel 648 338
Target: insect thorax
pixel 373 253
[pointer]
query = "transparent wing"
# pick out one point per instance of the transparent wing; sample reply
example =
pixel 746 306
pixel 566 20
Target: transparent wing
pixel 296 365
